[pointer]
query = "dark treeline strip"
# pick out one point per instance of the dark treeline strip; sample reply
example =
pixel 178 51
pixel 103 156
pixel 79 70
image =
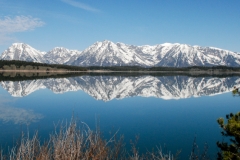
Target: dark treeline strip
pixel 13 76
pixel 18 64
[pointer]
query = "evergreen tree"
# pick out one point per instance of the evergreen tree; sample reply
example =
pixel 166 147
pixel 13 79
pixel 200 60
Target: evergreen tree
pixel 231 130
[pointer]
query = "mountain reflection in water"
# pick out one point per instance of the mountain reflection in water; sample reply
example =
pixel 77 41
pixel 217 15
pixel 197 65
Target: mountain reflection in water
pixel 107 88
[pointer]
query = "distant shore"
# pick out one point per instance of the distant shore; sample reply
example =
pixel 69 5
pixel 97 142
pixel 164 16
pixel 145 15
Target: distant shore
pixel 23 66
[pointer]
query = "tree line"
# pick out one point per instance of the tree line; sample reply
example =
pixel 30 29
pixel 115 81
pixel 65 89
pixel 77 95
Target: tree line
pixel 36 65
pixel 18 64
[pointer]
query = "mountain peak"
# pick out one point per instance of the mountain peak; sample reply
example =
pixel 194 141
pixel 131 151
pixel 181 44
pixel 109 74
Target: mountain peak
pixel 169 44
pixel 101 44
pixel 22 52
pixel 19 45
pixel 104 41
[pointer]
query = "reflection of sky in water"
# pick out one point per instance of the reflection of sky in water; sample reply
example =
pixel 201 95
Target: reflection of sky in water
pixel 157 121
pixel 16 115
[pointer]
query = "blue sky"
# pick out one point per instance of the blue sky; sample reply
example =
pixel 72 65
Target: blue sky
pixel 77 24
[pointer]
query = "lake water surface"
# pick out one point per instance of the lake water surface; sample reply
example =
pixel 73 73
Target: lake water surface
pixel 163 110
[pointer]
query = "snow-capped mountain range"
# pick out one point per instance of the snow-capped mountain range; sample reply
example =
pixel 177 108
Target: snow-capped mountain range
pixel 107 53
pixel 107 88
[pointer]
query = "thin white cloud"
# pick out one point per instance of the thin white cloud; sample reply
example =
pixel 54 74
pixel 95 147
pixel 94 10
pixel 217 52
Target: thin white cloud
pixel 9 25
pixel 80 5
pixel 19 24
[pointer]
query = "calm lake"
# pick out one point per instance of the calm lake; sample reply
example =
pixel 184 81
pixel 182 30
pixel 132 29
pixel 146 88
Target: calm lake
pixel 167 111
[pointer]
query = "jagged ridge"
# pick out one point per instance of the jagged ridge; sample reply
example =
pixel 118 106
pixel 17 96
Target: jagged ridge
pixel 107 53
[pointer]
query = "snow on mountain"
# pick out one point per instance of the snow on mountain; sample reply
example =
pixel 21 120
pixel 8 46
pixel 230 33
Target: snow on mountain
pixel 60 55
pixel 107 88
pixel 182 55
pixel 23 52
pixel 107 53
